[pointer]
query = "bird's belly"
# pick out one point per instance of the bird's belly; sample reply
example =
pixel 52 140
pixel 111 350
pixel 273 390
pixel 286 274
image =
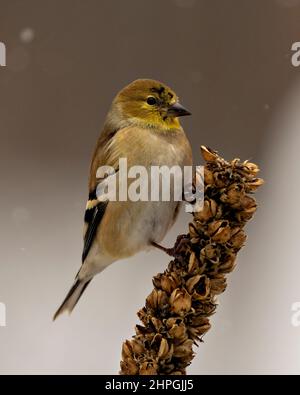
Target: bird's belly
pixel 156 220
pixel 135 226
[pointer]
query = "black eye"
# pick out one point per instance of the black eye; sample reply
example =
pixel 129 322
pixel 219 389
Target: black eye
pixel 151 100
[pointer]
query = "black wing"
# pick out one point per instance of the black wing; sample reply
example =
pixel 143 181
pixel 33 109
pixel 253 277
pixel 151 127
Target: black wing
pixel 95 216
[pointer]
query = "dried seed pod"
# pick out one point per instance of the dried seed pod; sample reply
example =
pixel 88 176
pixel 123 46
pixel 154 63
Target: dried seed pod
pixel 180 301
pixel 208 154
pixel 198 321
pixel 151 300
pixel 210 251
pixel 208 176
pixel 143 315
pixel 251 167
pixel 244 215
pixel 193 231
pixel 162 299
pixel 203 329
pixel 238 239
pixel 214 226
pixel 193 264
pixel 178 332
pixel 156 323
pixel 168 283
pixel 129 367
pixel 143 330
pixel 196 332
pixel 163 349
pixel 251 186
pixel 234 194
pixel 184 349
pixel 202 288
pixel 229 263
pixel 221 179
pixel 157 299
pixel 172 321
pixel 155 343
pixel 218 284
pixel 191 282
pixel 148 368
pixel 126 350
pixel 137 346
pixel 248 203
pixel 207 212
pixel 223 234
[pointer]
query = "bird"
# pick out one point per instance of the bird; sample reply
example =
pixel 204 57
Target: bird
pixel 142 125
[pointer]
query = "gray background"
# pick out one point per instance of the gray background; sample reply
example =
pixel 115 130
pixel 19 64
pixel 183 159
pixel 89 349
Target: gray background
pixel 229 61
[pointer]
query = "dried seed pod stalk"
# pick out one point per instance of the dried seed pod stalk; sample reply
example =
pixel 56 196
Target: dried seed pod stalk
pixel 176 313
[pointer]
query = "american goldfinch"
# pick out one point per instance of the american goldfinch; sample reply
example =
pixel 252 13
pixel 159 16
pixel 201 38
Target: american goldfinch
pixel 142 126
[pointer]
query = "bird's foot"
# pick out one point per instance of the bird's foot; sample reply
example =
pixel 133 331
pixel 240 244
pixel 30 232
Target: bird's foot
pixel 169 251
pixel 180 241
pixel 174 251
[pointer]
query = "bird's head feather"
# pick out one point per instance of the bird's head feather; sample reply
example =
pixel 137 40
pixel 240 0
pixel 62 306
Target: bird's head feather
pixel 149 103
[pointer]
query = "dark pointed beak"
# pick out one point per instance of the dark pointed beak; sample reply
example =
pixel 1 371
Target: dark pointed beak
pixel 177 110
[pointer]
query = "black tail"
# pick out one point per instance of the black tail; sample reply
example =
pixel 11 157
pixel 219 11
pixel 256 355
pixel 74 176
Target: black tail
pixel 72 297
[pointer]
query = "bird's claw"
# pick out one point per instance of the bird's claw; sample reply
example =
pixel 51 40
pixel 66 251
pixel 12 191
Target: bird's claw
pixel 173 251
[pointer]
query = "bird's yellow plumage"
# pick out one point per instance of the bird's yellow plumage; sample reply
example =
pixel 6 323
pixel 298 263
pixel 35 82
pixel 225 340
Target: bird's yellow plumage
pixel 142 126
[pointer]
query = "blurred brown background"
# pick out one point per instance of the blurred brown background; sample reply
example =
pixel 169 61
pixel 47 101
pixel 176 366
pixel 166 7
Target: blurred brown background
pixel 229 61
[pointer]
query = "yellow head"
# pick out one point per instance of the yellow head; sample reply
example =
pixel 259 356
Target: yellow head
pixel 150 103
